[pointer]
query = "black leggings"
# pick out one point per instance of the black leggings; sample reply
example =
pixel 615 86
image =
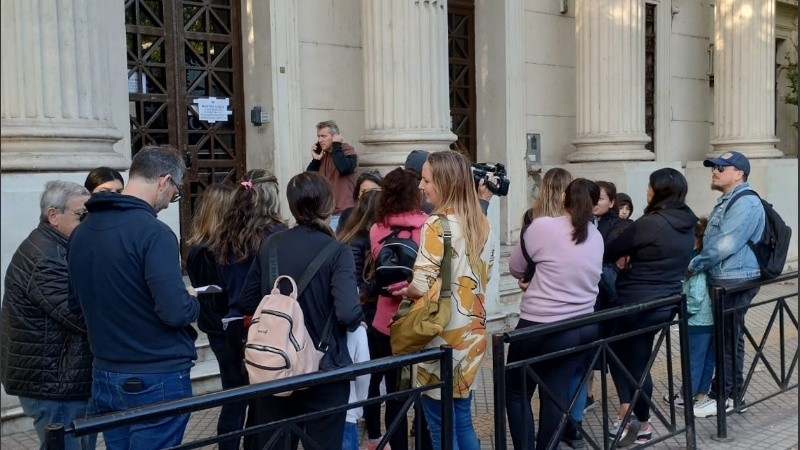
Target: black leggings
pixel 634 352
pixel 557 374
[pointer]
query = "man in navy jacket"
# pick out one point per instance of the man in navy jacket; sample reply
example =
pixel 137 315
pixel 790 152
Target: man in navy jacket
pixel 124 267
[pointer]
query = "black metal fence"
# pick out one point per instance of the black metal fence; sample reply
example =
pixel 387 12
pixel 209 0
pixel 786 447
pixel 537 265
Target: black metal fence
pixel 780 368
pixel 780 371
pixel 284 429
pixel 602 351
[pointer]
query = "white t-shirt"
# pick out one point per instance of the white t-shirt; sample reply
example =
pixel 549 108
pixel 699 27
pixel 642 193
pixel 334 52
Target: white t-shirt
pixel 359 352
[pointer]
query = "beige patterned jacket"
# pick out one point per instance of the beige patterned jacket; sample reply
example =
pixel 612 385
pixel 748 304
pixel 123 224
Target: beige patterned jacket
pixel 466 332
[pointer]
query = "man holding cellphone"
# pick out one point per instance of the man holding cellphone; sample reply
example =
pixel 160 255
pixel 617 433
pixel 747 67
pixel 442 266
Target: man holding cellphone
pixel 337 161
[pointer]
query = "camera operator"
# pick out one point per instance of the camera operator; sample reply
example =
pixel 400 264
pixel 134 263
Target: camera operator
pixel 417 158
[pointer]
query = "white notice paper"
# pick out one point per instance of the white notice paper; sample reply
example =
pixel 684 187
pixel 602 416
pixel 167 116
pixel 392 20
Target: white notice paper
pixel 210 289
pixel 213 109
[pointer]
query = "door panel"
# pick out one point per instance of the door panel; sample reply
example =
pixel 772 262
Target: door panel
pixel 178 52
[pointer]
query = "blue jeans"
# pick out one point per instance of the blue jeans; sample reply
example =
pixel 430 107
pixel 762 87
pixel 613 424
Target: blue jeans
pixel 701 357
pixel 350 436
pixel 44 412
pixel 580 403
pixel 110 394
pixel 464 437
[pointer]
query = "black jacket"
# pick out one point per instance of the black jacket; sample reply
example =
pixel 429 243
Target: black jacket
pixel 45 351
pixel 201 266
pixel 660 246
pixel 610 226
pixel 333 288
pixel 361 255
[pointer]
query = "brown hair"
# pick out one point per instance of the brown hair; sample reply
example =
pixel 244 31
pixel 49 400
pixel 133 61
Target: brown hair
pixel 581 196
pixel 311 200
pixel 400 194
pixel 255 208
pixel 362 217
pixel 451 174
pixel 208 218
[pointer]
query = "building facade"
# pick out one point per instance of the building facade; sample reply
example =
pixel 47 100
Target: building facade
pixel 609 89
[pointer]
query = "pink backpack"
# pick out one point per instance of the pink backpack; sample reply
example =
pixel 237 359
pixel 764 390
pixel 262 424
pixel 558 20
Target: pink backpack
pixel 278 343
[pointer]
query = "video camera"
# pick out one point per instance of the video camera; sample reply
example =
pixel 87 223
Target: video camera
pixel 481 171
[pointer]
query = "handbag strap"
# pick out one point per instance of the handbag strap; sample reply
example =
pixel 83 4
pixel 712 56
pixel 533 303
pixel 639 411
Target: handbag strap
pixel 531 268
pixel 447 257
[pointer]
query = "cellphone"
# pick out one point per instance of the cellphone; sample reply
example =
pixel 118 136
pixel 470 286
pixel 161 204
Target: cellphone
pixel 396 286
pixel 318 148
pixel 133 385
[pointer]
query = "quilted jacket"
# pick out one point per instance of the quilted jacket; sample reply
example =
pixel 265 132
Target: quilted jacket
pixel 45 352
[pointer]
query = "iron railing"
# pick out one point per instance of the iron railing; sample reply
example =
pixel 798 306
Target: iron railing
pixel 782 376
pixel 55 433
pixel 606 355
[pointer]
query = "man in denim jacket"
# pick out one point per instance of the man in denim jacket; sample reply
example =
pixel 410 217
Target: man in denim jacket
pixel 728 259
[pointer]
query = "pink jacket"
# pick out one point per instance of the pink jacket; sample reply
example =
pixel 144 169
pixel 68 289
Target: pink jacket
pixel 387 306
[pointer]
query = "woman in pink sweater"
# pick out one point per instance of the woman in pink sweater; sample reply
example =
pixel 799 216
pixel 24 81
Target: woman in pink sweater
pixel 400 206
pixel 568 253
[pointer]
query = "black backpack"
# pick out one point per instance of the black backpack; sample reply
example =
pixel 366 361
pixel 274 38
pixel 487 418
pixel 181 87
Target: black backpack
pixel 395 259
pixel 772 248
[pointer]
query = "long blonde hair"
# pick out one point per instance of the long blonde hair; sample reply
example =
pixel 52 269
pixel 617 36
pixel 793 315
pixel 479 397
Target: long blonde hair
pixel 451 175
pixel 549 201
pixel 207 220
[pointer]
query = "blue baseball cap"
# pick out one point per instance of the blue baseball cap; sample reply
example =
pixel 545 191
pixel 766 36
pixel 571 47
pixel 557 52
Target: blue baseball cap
pixel 734 159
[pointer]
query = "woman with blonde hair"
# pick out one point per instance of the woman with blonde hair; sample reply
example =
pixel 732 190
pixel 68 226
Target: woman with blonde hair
pixel 549 201
pixel 201 265
pixel 448 185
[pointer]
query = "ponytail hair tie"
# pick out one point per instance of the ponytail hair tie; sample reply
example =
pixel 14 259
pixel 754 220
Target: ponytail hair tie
pixel 247 185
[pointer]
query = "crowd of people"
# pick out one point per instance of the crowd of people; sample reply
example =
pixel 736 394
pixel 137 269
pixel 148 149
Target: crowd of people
pixel 97 317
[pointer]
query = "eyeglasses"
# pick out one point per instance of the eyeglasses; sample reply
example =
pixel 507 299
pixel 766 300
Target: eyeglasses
pixel 178 195
pixel 79 214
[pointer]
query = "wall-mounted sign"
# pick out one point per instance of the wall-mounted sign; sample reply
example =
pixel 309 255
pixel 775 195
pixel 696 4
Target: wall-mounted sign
pixel 213 109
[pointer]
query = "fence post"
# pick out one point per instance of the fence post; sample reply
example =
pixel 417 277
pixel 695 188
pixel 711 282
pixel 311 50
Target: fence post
pixel 499 384
pixel 719 366
pixel 54 436
pixel 686 374
pixel 447 398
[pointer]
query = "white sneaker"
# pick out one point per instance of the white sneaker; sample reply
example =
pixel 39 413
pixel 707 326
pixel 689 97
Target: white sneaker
pixel 729 406
pixel 705 408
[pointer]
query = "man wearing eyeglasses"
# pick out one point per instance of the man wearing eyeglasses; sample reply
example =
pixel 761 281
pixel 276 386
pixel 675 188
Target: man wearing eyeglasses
pixel 124 266
pixel 46 359
pixel 729 262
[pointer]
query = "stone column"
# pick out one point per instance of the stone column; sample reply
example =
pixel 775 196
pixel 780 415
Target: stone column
pixel 744 78
pixel 406 83
pixel 609 36
pixel 56 87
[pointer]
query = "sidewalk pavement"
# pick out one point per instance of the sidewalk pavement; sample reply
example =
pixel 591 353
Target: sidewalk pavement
pixel 768 425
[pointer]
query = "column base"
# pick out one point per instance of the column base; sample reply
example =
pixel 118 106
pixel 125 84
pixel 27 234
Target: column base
pixel 753 149
pixel 627 147
pixel 60 146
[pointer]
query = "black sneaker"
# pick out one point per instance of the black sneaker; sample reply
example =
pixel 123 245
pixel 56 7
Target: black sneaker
pixel 676 399
pixel 572 437
pixel 589 404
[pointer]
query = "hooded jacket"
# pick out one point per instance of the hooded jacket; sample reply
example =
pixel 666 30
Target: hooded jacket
pixel 125 271
pixel 387 305
pixel 45 352
pixel 660 247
